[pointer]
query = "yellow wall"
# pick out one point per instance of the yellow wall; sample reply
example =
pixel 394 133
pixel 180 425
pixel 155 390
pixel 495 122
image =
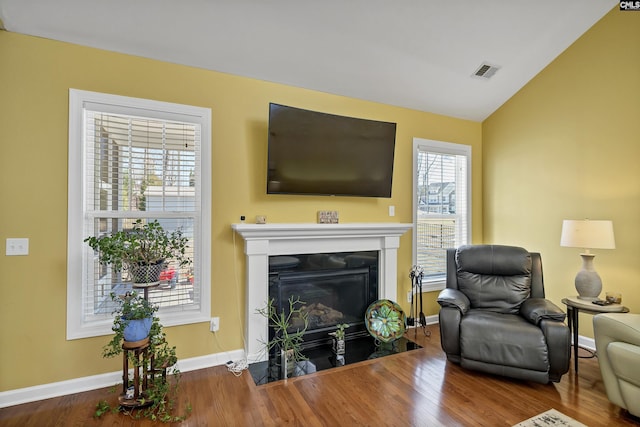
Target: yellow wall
pixel 35 77
pixel 567 146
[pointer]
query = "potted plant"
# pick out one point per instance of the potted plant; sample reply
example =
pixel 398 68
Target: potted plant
pixel 157 392
pixel 133 318
pixel 289 327
pixel 338 343
pixel 142 250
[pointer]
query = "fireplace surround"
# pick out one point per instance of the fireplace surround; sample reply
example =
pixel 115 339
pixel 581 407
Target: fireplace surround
pixel 265 240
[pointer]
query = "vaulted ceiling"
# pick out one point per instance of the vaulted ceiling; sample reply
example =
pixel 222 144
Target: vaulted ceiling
pixel 418 54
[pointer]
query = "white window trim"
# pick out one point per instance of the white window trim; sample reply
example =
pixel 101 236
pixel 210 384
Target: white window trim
pixel 78 99
pixel 444 147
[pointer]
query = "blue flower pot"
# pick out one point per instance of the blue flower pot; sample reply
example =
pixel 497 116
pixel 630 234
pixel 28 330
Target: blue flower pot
pixel 137 329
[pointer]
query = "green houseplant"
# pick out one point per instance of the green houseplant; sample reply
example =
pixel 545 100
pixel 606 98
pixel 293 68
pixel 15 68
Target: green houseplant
pixel 131 309
pixel 289 328
pixel 158 399
pixel 142 250
pixel 338 343
pixel 339 332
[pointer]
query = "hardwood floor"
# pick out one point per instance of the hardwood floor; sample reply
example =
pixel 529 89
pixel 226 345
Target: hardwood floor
pixel 417 388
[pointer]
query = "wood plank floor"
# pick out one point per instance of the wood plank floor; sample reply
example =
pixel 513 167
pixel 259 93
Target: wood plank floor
pixel 417 388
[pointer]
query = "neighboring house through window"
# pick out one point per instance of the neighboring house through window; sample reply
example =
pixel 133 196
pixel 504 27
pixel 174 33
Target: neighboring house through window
pixel 135 159
pixel 442 205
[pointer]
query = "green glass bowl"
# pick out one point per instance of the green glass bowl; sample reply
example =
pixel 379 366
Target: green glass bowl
pixel 385 320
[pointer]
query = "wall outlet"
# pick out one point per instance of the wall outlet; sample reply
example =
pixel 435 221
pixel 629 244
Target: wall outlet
pixel 214 325
pixel 17 247
pixel 409 296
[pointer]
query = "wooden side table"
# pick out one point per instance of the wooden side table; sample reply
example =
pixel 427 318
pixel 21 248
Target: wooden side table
pixel 574 307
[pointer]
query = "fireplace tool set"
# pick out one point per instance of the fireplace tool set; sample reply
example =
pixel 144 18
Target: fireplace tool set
pixel 416 274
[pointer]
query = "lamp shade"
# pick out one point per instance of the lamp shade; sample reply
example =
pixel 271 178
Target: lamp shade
pixel 587 234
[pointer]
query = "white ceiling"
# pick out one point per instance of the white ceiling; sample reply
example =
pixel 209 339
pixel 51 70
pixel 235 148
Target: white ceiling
pixel 418 54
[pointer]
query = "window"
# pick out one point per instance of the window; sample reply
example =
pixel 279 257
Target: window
pixel 442 205
pixel 134 159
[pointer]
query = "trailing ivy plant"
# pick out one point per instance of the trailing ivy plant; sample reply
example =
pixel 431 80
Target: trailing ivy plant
pixel 158 401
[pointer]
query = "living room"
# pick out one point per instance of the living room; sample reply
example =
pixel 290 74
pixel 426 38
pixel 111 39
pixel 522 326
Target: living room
pixel 563 147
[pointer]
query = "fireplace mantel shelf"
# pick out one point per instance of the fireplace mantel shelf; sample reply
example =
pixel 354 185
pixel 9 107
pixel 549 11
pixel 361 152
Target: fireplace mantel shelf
pixel 265 240
pixel 307 230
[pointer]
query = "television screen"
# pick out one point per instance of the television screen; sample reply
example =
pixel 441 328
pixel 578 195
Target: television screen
pixel 324 154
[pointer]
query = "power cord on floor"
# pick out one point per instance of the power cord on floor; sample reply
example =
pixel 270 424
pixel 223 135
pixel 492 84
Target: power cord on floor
pixel 236 368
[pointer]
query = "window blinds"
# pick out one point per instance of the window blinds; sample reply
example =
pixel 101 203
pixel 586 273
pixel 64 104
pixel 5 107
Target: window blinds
pixel 442 210
pixel 141 168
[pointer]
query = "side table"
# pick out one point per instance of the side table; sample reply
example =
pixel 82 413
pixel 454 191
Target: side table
pixel 574 307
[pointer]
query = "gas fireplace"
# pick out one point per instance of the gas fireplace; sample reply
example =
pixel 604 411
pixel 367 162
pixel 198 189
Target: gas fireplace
pixel 338 270
pixel 333 288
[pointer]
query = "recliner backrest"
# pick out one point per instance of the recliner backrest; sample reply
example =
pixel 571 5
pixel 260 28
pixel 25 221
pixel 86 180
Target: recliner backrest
pixel 494 277
pixel 537 277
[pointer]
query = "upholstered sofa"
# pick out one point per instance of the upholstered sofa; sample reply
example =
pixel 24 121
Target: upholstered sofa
pixel 617 337
pixel 494 316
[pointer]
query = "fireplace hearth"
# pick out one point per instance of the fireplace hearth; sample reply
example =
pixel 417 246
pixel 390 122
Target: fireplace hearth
pixel 320 358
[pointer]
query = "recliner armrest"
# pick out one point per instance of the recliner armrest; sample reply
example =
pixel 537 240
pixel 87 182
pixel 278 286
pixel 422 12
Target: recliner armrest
pixel 454 298
pixel 538 309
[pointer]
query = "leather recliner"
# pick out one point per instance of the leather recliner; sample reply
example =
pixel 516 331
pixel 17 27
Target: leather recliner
pixel 617 337
pixel 494 316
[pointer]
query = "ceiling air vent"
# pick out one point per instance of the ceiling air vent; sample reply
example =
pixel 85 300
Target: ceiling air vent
pixel 485 71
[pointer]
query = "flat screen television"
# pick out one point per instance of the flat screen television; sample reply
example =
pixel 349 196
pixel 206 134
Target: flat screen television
pixel 317 153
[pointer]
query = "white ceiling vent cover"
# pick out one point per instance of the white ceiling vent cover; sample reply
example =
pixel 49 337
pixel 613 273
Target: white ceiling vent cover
pixel 485 71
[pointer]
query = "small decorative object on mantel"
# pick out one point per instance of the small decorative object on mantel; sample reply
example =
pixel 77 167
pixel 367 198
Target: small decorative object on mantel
pixel 328 217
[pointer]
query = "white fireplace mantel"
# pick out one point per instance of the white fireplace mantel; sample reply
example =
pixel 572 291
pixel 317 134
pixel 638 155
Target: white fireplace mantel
pixel 264 240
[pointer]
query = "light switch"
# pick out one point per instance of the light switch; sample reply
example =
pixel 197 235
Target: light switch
pixel 18 246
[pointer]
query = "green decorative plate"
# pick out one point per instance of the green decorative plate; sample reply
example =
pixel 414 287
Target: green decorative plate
pixel 385 320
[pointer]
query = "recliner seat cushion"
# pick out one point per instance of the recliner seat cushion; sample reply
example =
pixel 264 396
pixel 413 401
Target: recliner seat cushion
pixel 503 339
pixel 496 278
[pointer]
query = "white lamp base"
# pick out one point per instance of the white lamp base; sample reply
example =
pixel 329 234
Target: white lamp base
pixel 588 282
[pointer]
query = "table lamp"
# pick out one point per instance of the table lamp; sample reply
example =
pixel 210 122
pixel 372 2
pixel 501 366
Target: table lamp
pixel 587 234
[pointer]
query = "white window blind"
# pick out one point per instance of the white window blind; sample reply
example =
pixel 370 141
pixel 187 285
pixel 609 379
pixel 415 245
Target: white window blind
pixel 441 205
pixel 141 160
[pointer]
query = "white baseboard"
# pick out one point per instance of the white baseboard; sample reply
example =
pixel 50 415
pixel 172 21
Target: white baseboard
pixel 78 385
pixel 433 319
pixel 586 342
pixel 430 320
